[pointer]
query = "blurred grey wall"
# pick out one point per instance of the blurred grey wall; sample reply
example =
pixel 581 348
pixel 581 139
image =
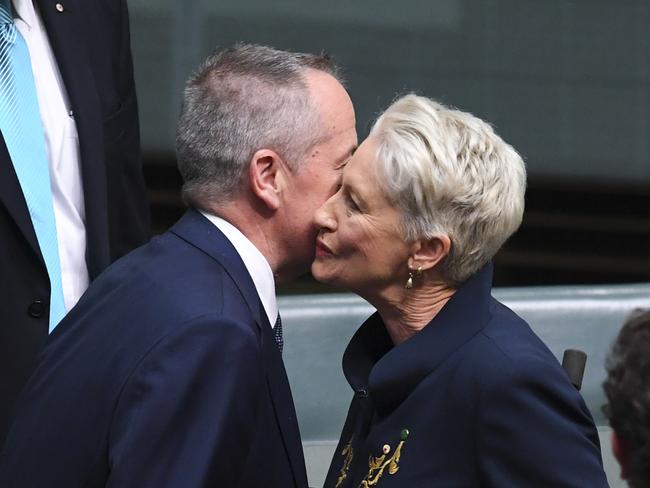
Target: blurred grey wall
pixel 565 82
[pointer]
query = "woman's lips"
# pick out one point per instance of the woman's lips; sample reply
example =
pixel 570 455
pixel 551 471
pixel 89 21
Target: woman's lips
pixel 322 250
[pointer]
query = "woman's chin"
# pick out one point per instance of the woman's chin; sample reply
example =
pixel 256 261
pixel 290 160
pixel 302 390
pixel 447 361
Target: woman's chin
pixel 321 273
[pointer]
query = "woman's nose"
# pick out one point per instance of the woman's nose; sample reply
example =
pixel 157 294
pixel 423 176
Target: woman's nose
pixel 323 217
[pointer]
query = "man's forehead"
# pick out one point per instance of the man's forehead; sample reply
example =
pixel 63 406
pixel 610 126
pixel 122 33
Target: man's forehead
pixel 339 148
pixel 329 95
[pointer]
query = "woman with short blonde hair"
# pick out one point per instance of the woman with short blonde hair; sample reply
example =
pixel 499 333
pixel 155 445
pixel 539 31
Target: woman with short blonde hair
pixel 451 388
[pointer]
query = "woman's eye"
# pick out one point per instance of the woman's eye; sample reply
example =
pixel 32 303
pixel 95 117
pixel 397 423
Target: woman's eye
pixel 351 204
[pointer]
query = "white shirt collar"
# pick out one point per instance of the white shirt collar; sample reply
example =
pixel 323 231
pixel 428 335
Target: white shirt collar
pixel 25 11
pixel 256 264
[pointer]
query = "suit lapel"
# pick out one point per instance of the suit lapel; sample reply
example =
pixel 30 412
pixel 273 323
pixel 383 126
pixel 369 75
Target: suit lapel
pixel 283 405
pixel 65 35
pixel 11 194
pixel 13 199
pixel 403 367
pixel 198 231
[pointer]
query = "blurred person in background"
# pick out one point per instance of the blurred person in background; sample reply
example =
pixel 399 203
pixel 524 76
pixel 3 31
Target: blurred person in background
pixel 451 388
pixel 168 372
pixel 72 195
pixel 627 388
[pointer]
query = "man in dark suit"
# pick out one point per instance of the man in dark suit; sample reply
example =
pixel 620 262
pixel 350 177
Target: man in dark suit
pixel 83 77
pixel 168 373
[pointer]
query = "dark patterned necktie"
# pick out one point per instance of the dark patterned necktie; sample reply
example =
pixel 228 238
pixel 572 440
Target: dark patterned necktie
pixel 277 332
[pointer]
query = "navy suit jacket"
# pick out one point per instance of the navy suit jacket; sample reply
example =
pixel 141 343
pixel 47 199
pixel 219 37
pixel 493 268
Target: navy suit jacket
pixel 90 40
pixel 475 399
pixel 166 374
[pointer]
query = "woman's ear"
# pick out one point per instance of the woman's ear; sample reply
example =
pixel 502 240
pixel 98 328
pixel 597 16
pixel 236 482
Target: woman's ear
pixel 266 177
pixel 429 252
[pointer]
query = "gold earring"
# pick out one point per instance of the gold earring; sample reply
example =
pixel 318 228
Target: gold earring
pixel 409 282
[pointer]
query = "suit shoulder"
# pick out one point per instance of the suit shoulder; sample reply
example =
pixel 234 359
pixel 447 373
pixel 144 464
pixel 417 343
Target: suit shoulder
pixel 169 278
pixel 507 348
pixel 208 345
pixel 510 337
pixel 157 292
pixel 214 332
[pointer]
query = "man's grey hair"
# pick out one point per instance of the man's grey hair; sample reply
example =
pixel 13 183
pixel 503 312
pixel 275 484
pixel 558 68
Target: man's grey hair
pixel 240 100
pixel 450 174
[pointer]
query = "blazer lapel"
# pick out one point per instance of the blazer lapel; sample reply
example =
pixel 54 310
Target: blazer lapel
pixel 64 32
pixel 13 199
pixel 283 405
pixel 10 192
pixel 198 231
pixel 403 367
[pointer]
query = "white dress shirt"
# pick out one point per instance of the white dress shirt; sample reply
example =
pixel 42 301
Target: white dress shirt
pixel 62 145
pixel 256 264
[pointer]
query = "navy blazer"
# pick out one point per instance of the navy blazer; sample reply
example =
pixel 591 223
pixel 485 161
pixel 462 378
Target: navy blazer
pixel 90 40
pixel 475 399
pixel 165 374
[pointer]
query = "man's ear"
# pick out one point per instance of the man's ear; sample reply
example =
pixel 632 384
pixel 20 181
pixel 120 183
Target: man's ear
pixel 621 451
pixel 429 252
pixel 265 175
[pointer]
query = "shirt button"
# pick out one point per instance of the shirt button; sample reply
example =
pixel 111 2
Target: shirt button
pixel 36 309
pixel 59 7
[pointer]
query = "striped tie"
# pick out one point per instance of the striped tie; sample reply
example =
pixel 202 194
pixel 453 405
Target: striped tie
pixel 277 332
pixel 22 131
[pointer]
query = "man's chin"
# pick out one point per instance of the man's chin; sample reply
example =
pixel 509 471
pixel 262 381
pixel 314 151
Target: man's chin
pixel 287 275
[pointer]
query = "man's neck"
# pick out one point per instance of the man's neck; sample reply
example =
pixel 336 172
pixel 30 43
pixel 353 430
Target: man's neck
pixel 254 225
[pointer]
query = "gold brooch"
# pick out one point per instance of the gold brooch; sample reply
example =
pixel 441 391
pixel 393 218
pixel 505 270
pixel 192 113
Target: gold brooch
pixel 377 465
pixel 348 452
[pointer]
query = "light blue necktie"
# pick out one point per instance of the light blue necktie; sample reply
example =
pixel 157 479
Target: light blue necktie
pixel 22 129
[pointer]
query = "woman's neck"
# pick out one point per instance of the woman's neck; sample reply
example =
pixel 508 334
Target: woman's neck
pixel 407 312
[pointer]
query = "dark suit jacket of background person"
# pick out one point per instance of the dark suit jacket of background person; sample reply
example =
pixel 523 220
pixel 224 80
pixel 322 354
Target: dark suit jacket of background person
pixel 165 374
pixel 478 399
pixel 90 40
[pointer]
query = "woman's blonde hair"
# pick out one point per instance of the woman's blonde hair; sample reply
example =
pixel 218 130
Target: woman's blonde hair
pixel 450 174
